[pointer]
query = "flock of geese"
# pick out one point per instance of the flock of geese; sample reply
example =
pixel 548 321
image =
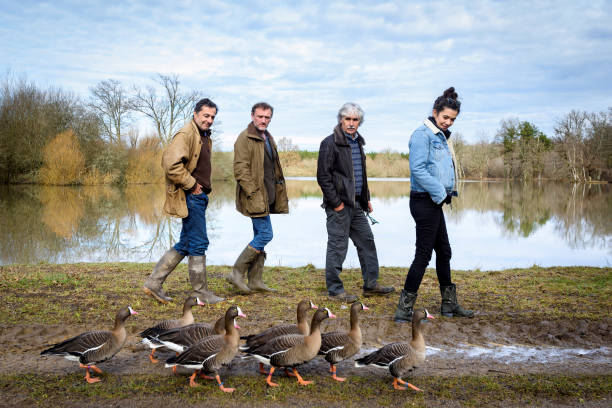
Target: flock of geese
pixel 206 347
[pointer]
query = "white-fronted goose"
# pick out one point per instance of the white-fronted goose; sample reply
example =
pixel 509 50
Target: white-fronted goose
pixel 212 352
pixel 149 335
pixel 181 338
pixel 94 347
pixel 401 358
pixel 302 327
pixel 291 350
pixel 339 345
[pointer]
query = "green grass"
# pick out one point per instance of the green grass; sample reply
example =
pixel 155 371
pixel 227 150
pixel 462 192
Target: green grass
pixel 75 293
pixel 470 391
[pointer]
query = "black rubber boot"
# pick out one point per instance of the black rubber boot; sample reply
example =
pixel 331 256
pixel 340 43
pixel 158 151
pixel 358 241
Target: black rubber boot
pixel 404 307
pixel 450 307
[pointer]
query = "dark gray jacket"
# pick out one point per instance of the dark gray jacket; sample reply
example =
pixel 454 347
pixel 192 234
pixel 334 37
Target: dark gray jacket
pixel 335 172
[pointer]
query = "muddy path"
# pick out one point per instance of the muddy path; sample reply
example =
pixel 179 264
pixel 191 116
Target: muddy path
pixel 456 347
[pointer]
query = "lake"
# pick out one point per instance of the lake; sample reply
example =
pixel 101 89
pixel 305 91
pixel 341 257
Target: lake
pixel 492 225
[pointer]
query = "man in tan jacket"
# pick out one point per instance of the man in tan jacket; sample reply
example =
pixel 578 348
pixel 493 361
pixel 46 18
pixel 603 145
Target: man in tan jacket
pixel 186 163
pixel 260 191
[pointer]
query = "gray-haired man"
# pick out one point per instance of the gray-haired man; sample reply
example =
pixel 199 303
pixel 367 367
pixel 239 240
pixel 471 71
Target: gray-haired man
pixel 341 174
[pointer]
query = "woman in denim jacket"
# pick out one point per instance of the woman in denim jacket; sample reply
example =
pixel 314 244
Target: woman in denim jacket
pixel 433 181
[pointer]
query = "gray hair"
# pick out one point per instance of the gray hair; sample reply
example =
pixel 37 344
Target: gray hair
pixel 350 108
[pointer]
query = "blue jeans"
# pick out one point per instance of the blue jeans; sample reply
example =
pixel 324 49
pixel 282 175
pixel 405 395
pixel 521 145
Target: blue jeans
pixel 262 232
pixel 194 240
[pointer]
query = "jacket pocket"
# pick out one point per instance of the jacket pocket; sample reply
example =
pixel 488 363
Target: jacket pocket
pixel 256 204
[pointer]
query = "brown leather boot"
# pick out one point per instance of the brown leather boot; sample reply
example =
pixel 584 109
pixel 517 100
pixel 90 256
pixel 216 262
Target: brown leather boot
pixel 245 260
pixel 198 279
pixel 256 275
pixel 153 284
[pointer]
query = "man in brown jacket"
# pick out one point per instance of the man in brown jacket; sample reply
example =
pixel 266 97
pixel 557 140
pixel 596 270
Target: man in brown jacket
pixel 260 191
pixel 186 162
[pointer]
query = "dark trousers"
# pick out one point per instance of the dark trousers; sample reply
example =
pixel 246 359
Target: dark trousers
pixel 342 225
pixel 431 236
pixel 194 240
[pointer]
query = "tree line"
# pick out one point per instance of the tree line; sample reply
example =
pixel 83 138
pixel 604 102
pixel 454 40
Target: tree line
pixel 52 136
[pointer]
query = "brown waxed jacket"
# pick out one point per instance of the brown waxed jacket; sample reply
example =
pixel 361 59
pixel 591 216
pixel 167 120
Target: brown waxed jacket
pixel 178 161
pixel 251 195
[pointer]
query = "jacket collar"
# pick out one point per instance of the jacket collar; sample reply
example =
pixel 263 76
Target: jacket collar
pixel 432 126
pixel 340 137
pixel 253 133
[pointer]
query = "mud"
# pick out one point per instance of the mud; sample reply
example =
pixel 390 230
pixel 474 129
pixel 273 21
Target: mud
pixel 455 347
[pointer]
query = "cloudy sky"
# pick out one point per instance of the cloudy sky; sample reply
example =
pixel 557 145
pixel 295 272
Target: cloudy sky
pixel 532 60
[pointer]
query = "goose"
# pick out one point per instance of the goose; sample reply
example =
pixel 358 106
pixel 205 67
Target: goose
pixel 148 335
pixel 212 352
pixel 291 350
pixel 302 327
pixel 403 357
pixel 181 338
pixel 94 347
pixel 339 345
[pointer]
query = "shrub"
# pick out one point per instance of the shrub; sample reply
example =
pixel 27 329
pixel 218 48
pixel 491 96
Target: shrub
pixel 63 162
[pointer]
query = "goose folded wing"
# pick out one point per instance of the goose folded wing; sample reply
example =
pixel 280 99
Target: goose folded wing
pixel 333 341
pixel 201 350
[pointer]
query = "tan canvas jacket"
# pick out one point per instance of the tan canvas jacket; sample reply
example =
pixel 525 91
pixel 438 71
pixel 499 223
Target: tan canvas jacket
pixel 251 195
pixel 178 161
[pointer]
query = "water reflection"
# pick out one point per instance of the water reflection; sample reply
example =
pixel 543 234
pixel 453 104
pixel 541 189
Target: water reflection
pixel 492 225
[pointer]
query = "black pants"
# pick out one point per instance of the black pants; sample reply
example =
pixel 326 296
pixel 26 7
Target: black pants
pixel 342 225
pixel 431 236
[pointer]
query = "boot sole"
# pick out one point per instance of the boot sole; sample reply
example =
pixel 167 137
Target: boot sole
pixel 154 296
pixel 237 287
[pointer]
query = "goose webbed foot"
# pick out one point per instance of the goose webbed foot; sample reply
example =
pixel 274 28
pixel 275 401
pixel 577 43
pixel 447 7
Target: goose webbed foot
pixel 300 379
pixel 152 357
pixel 221 387
pixel 269 378
pixel 192 382
pixel 333 371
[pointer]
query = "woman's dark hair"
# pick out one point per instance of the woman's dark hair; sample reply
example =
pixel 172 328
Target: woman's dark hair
pixel 449 99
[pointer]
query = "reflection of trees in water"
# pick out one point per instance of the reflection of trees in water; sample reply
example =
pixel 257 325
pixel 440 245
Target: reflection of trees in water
pixel 580 213
pixel 584 216
pixel 62 224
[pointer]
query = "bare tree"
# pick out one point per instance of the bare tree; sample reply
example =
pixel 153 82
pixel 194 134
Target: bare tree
pixel 285 144
pixel 168 109
pixel 111 104
pixel 571 132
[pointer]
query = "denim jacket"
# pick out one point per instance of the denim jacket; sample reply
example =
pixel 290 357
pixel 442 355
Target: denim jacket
pixel 432 164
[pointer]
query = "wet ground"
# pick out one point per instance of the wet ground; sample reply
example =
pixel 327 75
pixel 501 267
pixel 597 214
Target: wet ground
pixel 454 347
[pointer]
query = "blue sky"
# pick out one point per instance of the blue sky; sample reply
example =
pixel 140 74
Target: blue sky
pixel 532 60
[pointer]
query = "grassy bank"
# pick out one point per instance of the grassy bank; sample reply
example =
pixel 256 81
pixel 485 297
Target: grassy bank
pixel 78 293
pixel 88 294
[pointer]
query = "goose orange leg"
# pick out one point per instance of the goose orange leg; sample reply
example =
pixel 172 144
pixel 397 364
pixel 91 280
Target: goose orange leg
pixel 221 387
pixel 88 377
pixel 206 377
pixel 152 357
pixel 399 380
pixel 261 369
pixel 300 379
pixel 333 371
pixel 269 378
pixel 174 367
pixel 192 382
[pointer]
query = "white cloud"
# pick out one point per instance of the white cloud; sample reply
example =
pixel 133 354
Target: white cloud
pixel 532 60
